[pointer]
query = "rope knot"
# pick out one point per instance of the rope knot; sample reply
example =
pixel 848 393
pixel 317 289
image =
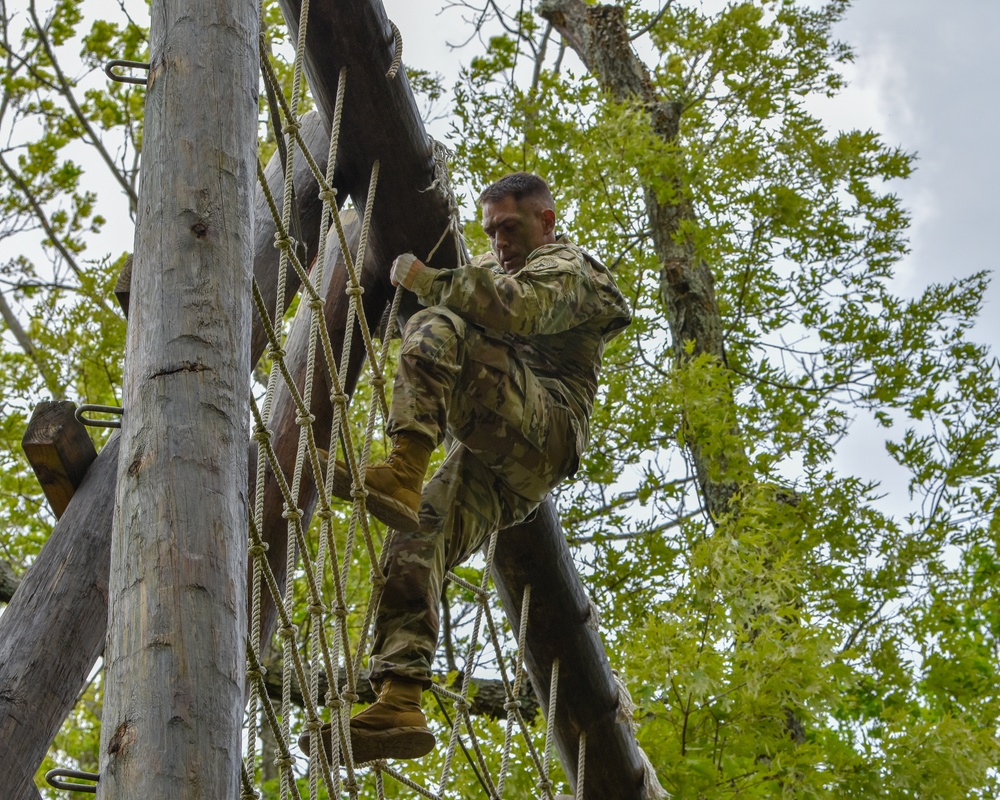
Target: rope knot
pixel 325 513
pixel 332 700
pixel 257 672
pixel 305 419
pixel 292 126
pixel 379 381
pixel 257 550
pixel 262 434
pixel 340 398
pixel 286 632
pixel 350 697
pixel 356 290
pixel 462 705
pixel 340 612
pixel 284 761
pixel 316 303
pixel 283 241
pixel 275 353
pixel 292 514
pixel 511 705
pixel 328 195
pixel 314 725
pixel 316 608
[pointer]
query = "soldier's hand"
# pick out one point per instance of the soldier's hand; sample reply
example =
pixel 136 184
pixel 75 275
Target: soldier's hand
pixel 405 269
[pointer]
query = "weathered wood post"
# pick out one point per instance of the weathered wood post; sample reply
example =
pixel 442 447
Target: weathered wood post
pixel 176 649
pixel 54 629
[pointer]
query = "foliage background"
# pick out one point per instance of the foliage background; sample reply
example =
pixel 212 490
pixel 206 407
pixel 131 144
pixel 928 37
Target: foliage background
pixel 817 640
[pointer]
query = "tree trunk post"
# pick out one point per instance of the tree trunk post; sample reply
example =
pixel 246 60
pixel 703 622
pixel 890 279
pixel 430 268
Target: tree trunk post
pixel 176 653
pixel 54 629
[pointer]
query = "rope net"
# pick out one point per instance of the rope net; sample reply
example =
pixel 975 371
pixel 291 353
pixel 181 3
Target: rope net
pixel 334 560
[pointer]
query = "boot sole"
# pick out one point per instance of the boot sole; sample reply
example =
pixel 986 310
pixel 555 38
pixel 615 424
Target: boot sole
pixel 405 742
pixel 391 743
pixel 386 509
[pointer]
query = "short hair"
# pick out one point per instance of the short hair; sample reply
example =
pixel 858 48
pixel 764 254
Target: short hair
pixel 519 185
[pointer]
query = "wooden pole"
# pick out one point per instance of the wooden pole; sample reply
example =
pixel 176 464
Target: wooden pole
pixel 54 629
pixel 176 652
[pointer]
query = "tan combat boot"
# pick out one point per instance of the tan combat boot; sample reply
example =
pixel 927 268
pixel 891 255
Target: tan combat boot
pixel 394 486
pixel 394 726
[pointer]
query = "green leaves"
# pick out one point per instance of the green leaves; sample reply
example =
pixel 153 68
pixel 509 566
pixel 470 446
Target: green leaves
pixel 814 602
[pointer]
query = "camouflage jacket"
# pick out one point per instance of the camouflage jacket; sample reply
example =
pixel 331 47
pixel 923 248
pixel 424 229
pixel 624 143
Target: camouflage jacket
pixel 558 312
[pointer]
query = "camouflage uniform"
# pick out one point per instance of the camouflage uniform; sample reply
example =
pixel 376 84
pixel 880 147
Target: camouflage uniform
pixel 507 365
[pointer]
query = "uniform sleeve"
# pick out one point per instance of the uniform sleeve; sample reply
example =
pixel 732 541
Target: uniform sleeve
pixel 550 294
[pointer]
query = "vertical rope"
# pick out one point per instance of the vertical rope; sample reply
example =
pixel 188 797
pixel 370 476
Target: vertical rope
pixel 550 730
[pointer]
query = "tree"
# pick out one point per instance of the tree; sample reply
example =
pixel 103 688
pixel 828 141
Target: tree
pixel 781 591
pixel 801 590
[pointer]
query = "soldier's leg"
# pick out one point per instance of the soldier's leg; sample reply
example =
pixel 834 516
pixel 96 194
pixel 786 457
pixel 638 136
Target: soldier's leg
pixel 430 362
pixel 429 365
pixel 516 442
pixel 460 508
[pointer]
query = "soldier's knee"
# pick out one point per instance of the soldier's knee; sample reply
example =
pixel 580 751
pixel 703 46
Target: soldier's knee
pixel 428 326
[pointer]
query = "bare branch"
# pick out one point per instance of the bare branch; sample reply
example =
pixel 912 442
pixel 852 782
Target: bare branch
pixel 652 23
pixel 66 90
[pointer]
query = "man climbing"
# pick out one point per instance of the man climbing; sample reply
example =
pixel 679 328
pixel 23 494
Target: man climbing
pixel 504 360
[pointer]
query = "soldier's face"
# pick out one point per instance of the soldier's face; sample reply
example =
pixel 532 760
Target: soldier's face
pixel 516 229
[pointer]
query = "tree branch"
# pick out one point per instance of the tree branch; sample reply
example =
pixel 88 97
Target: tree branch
pixel 24 340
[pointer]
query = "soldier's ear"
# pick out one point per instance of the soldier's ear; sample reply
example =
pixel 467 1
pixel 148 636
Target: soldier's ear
pixel 548 221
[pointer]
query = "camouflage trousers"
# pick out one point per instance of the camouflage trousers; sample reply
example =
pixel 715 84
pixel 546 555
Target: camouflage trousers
pixel 510 443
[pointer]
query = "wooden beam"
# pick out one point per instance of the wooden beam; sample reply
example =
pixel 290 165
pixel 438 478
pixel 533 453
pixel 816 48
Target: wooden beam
pixel 52 631
pixel 59 450
pixel 560 627
pixel 123 286
pixel 355 34
pixel 9 581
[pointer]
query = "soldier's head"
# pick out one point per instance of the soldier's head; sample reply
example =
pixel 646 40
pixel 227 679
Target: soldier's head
pixel 519 216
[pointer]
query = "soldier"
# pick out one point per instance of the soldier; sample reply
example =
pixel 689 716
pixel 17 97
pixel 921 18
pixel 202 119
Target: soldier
pixel 504 360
